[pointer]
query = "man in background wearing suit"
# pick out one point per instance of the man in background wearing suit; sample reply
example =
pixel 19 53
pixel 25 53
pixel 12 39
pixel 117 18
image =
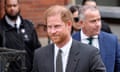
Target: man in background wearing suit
pixel 65 54
pixel 105 27
pixel 107 43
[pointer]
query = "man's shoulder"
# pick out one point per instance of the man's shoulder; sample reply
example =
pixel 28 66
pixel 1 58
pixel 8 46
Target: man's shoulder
pixel 27 21
pixel 107 35
pixel 77 33
pixel 2 23
pixel 27 24
pixel 76 36
pixel 83 49
pixel 44 49
pixel 2 20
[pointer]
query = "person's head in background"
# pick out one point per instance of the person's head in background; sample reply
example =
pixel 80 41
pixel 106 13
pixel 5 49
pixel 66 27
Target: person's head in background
pixel 12 9
pixel 75 12
pixel 59 21
pixel 89 2
pixel 90 20
pixel 105 27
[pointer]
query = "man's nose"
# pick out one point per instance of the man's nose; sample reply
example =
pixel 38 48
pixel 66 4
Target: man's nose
pixel 98 23
pixel 53 30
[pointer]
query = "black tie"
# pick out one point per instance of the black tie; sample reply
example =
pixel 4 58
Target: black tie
pixel 90 40
pixel 16 28
pixel 59 67
pixel 15 25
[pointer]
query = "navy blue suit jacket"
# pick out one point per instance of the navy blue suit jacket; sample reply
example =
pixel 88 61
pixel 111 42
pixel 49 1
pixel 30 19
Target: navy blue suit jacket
pixel 109 50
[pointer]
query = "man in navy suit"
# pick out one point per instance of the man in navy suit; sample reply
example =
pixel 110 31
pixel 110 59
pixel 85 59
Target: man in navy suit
pixel 108 44
pixel 65 54
pixel 105 27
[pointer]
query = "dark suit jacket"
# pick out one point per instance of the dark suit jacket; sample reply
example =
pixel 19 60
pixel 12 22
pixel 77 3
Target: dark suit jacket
pixel 82 58
pixel 109 50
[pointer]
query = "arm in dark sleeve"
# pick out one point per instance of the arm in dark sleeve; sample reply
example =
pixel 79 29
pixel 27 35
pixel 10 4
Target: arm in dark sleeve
pixel 1 41
pixel 36 42
pixel 96 64
pixel 35 62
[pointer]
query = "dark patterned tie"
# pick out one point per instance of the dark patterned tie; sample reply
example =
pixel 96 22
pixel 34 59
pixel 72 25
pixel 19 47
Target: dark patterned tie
pixel 59 67
pixel 90 39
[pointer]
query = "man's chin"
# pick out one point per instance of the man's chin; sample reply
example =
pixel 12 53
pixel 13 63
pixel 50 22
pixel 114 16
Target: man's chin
pixel 55 41
pixel 12 17
pixel 96 33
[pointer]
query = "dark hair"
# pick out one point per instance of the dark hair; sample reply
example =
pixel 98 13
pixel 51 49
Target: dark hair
pixel 5 1
pixel 74 9
pixel 84 1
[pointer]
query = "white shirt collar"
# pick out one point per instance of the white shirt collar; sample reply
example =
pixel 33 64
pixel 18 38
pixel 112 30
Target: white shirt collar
pixel 65 49
pixel 83 36
pixel 11 23
pixel 95 41
pixel 65 53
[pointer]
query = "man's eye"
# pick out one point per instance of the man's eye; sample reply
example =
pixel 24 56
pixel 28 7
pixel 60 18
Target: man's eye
pixel 93 21
pixel 57 26
pixel 48 26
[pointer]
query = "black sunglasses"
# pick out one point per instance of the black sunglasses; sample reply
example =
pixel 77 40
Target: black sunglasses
pixel 76 19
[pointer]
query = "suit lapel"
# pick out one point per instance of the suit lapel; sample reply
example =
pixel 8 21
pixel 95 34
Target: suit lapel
pixel 50 58
pixel 102 46
pixel 73 58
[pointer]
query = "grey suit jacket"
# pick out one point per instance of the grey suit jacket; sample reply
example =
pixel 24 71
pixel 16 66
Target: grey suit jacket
pixel 82 58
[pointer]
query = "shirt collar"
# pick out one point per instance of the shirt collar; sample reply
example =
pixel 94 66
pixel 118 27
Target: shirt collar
pixel 83 36
pixel 11 23
pixel 65 49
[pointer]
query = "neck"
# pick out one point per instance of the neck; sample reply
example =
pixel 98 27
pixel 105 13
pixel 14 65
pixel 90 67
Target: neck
pixel 12 18
pixel 60 45
pixel 87 33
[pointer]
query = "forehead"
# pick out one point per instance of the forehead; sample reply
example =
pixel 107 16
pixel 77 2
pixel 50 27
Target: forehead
pixel 92 13
pixel 11 2
pixel 90 3
pixel 54 19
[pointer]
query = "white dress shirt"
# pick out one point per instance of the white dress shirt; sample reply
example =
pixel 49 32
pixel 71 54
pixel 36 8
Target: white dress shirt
pixel 11 23
pixel 95 41
pixel 65 53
